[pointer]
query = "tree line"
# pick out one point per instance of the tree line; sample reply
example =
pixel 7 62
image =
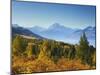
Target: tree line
pixel 54 50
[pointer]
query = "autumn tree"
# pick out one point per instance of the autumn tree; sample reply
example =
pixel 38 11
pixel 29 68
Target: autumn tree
pixel 66 51
pixel 19 45
pixel 72 52
pixel 92 56
pixel 32 50
pixel 44 49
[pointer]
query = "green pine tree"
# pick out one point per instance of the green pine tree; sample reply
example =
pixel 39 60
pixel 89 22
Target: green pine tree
pixel 84 51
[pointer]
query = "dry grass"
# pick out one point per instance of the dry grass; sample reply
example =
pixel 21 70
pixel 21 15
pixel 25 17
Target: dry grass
pixel 21 65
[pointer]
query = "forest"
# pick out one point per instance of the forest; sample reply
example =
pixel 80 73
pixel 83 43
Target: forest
pixel 45 55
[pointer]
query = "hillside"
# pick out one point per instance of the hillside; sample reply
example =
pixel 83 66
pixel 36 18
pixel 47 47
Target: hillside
pixel 24 31
pixel 31 55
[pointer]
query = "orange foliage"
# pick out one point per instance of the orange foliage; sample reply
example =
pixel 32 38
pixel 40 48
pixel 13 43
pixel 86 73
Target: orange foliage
pixel 45 65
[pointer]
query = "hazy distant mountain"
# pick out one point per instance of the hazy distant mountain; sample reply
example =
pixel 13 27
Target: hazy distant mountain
pixel 15 25
pixel 55 31
pixel 24 31
pixel 56 27
pixel 90 33
pixel 65 34
pixel 36 29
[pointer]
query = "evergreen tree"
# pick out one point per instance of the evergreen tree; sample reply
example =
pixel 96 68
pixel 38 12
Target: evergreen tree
pixel 66 51
pixel 56 52
pixel 72 52
pixel 84 51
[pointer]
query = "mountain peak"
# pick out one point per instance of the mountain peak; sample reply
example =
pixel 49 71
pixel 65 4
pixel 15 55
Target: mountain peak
pixel 15 25
pixel 37 27
pixel 56 25
pixel 89 28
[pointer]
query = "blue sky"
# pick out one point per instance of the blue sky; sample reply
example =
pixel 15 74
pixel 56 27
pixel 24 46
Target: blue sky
pixel 28 14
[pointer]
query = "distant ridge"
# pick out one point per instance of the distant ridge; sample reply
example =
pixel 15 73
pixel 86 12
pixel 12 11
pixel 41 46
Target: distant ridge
pixel 61 33
pixel 24 31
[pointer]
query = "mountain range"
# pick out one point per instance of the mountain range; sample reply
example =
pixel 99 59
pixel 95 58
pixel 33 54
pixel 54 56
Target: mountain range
pixel 59 32
pixel 55 31
pixel 16 29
